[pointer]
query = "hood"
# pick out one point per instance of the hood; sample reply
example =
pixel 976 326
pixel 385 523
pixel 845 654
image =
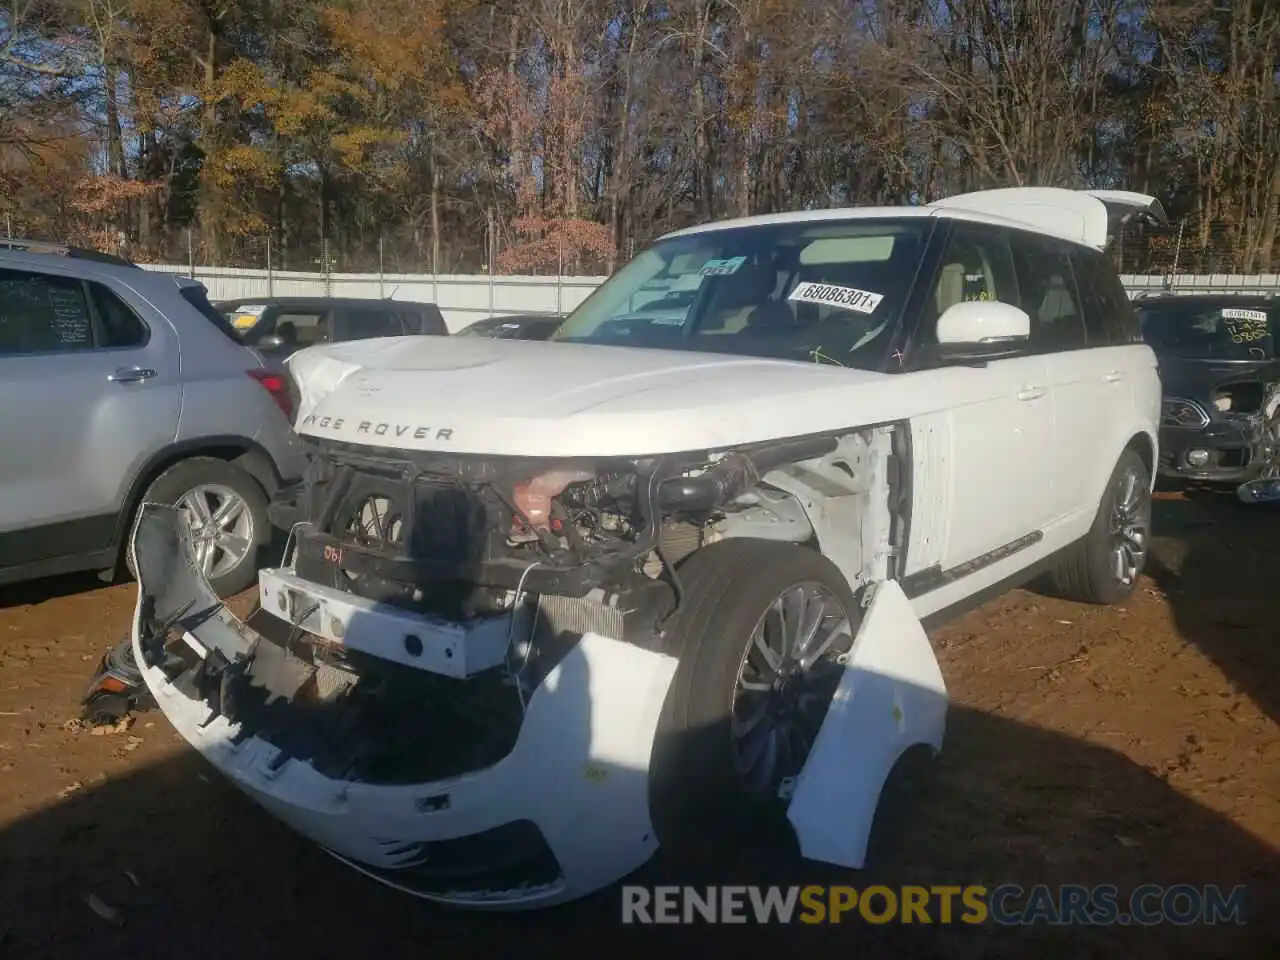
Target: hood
pixel 533 398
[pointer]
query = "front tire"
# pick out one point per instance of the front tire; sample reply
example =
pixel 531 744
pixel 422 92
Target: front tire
pixel 1103 567
pixel 227 511
pixel 762 638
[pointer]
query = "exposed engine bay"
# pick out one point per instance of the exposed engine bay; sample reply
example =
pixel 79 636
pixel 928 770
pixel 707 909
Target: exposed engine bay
pixel 454 683
pixel 460 536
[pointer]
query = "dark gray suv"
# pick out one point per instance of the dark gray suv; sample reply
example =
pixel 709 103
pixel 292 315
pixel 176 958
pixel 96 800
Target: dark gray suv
pixel 279 326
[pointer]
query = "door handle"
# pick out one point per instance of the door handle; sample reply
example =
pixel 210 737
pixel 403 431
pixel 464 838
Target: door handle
pixel 1031 393
pixel 1115 376
pixel 131 375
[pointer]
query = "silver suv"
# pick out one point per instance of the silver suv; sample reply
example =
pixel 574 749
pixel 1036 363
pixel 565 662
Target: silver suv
pixel 119 386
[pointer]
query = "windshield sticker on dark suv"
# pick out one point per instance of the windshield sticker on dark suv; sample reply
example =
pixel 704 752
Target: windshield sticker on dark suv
pixel 722 268
pixel 850 298
pixel 1245 326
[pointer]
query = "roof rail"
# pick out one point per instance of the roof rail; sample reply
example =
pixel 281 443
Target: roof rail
pixel 62 250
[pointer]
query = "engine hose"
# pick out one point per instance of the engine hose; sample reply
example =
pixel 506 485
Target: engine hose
pixel 736 473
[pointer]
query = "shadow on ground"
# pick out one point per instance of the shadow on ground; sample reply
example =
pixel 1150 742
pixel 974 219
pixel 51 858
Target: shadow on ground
pixel 1004 803
pixel 1218 562
pixel 220 878
pixel 33 592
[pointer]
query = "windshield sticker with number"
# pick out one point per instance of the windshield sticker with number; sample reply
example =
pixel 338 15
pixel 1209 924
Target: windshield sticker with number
pixel 1245 326
pixel 722 268
pixel 828 295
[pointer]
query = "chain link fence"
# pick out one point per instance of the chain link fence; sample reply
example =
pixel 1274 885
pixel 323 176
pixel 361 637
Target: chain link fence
pixel 1188 245
pixel 1199 246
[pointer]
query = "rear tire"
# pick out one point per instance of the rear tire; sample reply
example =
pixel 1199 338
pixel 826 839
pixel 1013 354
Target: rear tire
pixel 711 784
pixel 1104 566
pixel 235 537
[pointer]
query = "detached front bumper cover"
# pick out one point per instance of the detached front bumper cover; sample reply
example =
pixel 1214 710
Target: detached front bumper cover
pixel 566 811
pixel 569 803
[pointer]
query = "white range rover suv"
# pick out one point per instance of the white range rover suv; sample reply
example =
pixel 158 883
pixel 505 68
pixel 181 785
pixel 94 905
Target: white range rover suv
pixel 662 579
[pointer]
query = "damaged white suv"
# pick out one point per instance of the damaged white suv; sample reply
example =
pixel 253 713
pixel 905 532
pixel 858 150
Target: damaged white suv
pixel 662 579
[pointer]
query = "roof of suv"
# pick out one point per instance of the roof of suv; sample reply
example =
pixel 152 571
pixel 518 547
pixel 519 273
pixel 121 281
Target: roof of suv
pixel 327 301
pixel 63 250
pixel 91 268
pixel 857 213
pixel 1078 216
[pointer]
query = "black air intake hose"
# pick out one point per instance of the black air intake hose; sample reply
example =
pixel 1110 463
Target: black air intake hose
pixel 737 473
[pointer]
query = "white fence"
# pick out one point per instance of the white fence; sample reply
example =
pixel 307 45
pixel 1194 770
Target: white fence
pixel 463 299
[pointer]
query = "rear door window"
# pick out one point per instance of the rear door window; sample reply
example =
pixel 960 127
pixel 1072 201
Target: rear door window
pixel 1109 315
pixel 117 325
pixel 1047 285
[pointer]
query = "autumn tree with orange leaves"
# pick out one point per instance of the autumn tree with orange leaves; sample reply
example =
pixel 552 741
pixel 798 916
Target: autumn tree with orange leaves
pixel 544 135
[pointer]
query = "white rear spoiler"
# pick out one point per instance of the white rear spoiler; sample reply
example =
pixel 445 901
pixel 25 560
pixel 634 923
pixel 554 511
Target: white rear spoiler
pixel 1085 216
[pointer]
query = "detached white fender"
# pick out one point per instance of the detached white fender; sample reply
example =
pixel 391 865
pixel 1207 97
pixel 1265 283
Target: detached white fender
pixel 891 697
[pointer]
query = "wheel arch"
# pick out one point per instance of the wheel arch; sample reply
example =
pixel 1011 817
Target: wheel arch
pixel 1141 441
pixel 1144 445
pixel 241 451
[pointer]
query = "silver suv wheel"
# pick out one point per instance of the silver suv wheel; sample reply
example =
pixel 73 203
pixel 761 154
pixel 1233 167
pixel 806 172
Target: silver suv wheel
pixel 222 527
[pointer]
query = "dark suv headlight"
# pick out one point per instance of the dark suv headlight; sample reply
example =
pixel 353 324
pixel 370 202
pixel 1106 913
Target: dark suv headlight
pixel 1183 413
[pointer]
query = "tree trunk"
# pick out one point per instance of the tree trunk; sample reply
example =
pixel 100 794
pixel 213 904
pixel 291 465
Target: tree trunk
pixel 115 139
pixel 568 146
pixel 704 205
pixel 622 150
pixel 1270 222
pixel 211 201
pixel 519 160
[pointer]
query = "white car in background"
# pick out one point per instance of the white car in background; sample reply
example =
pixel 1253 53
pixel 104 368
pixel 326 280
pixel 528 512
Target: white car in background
pixel 550 605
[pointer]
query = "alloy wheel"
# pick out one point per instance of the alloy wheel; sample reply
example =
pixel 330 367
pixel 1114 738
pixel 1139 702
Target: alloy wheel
pixel 789 672
pixel 221 526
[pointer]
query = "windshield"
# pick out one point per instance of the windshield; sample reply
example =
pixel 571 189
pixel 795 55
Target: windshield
pixel 829 292
pixel 1211 331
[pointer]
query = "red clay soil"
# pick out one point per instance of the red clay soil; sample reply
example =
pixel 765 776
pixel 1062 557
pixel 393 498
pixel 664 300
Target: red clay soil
pixel 1085 745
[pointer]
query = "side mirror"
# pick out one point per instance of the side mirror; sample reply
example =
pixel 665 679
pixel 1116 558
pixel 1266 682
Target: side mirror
pixel 982 326
pixel 270 342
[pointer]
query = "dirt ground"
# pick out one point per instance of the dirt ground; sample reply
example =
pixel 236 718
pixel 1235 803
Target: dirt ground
pixel 1085 745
